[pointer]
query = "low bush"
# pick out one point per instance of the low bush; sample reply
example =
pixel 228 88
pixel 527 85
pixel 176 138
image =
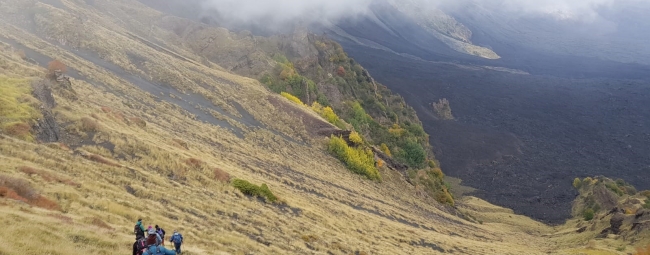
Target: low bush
pixel 88 125
pixel 358 160
pixel 577 183
pixel 432 182
pixel 331 117
pixel 356 138
pixel 588 214
pixel 194 163
pixel 221 175
pixel 253 190
pixel 292 98
pixel 385 150
pixel 21 190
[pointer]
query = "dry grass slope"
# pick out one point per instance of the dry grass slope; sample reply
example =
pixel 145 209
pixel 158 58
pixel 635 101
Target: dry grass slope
pixel 120 172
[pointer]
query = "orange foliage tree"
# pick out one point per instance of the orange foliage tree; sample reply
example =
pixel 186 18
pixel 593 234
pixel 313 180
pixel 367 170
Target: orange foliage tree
pixel 55 65
pixel 340 71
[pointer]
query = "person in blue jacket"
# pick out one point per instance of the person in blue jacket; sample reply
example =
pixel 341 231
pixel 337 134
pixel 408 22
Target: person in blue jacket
pixel 177 240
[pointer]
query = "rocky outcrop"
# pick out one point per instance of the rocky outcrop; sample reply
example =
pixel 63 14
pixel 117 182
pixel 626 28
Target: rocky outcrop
pixel 605 198
pixel 46 128
pixel 641 221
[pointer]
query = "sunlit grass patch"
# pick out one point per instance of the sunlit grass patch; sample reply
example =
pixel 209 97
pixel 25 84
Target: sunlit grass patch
pixel 18 109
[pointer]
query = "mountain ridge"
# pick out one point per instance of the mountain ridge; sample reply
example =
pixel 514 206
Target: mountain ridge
pixel 148 127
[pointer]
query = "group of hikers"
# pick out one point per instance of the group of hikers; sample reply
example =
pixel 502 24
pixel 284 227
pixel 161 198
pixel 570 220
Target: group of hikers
pixel 154 241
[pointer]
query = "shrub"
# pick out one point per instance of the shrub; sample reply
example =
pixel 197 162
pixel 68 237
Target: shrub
pixel 577 183
pixel 647 204
pixel 356 138
pixel 588 214
pixel 21 190
pixel 266 192
pixel 56 65
pixel 221 175
pixel 431 181
pixel 253 190
pixel 331 117
pixel 614 188
pixel 194 163
pixel 20 130
pixel 340 71
pixel 317 107
pixel 385 150
pixel 442 109
pixel 292 98
pixel 358 160
pixel 413 154
pixel 89 125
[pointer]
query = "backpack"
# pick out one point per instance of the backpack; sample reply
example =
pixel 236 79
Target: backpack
pixel 177 238
pixel 161 232
pixel 140 245
pixel 151 240
pixel 137 230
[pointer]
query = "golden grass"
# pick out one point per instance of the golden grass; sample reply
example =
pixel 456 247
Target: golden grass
pixel 17 108
pixel 344 213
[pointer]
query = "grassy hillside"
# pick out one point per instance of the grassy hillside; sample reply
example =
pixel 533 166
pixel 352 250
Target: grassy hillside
pixel 150 129
pixel 318 72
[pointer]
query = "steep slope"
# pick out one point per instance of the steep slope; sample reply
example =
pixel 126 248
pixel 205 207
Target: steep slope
pixel 148 129
pixel 136 151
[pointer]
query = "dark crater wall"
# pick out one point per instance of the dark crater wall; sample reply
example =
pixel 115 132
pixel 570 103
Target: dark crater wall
pixel 521 139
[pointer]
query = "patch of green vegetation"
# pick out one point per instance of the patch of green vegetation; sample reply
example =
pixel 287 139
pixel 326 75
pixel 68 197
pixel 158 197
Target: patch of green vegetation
pixel 292 98
pixel 620 187
pixel 588 214
pixel 250 189
pixel 432 181
pixel 577 183
pixel 359 160
pixel 647 203
pixel 18 109
pixel 370 108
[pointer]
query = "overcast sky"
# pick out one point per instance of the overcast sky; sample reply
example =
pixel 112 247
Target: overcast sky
pixel 277 11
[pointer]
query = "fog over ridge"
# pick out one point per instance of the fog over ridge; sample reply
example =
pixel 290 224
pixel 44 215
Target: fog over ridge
pixel 274 12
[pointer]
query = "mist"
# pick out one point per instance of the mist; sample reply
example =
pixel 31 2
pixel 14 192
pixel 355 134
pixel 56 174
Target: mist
pixel 279 12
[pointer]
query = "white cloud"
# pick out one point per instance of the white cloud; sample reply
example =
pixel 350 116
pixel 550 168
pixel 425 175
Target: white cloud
pixel 279 12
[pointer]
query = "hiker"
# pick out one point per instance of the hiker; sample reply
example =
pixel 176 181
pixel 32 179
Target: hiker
pixel 177 240
pixel 161 233
pixel 139 246
pixel 153 238
pixel 138 230
pixel 158 250
pixel 154 246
